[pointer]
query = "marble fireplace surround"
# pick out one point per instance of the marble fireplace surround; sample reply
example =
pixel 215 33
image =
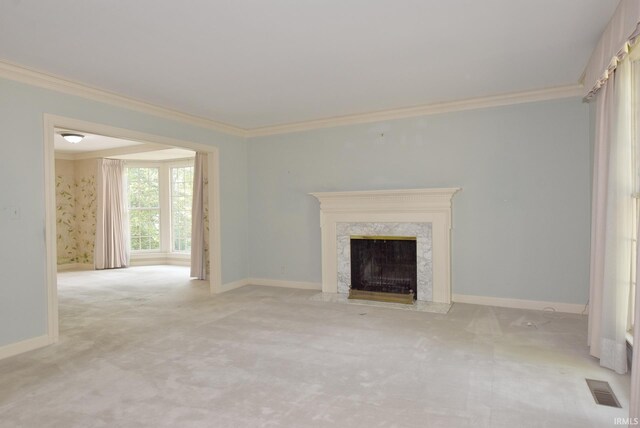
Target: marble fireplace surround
pixel 424 262
pixel 412 206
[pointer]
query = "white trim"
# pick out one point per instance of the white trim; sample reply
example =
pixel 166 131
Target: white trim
pixel 123 133
pixel 389 206
pixel 44 80
pixel 423 110
pixel 159 258
pixel 164 184
pixel 51 251
pixel 570 308
pixel 232 285
pixel 51 122
pixel 301 285
pixel 12 349
pixel 165 254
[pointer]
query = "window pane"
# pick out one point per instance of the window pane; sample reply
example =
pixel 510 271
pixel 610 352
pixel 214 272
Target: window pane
pixel 144 208
pixel 143 187
pixel 181 200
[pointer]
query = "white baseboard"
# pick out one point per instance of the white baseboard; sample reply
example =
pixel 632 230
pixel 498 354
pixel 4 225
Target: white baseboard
pixel 269 283
pixel 286 284
pixel 12 349
pixel 75 266
pixel 232 285
pixel 571 308
pixel 151 259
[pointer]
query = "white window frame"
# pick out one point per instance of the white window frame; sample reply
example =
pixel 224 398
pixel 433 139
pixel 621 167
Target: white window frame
pixel 170 165
pixel 141 164
pixel 164 182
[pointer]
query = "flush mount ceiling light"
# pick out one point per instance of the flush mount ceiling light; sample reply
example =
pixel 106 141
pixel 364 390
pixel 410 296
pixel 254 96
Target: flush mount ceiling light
pixel 72 138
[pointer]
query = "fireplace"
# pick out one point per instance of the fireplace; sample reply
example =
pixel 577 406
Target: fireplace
pixel 423 213
pixel 383 268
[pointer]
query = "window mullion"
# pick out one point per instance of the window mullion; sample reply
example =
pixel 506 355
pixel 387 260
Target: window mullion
pixel 165 209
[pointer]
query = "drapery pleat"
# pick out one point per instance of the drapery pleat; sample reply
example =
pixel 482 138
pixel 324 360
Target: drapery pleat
pixel 198 218
pixel 621 32
pixel 612 227
pixel 112 247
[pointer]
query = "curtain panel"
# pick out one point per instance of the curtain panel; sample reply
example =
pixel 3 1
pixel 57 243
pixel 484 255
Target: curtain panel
pixel 634 410
pixel 199 219
pixel 612 222
pixel 621 32
pixel 112 248
pixel 634 402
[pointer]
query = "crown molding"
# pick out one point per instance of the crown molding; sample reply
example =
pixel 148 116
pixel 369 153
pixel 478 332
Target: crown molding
pixel 44 80
pixel 424 110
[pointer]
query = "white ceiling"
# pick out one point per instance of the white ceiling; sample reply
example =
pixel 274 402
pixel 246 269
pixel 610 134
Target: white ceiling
pixel 258 63
pixel 117 148
pixel 90 143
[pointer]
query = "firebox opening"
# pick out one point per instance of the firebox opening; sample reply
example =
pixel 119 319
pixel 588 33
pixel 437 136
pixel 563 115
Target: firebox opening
pixel 384 268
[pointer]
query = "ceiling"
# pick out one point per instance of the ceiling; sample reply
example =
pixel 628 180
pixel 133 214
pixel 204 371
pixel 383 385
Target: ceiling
pixel 116 148
pixel 158 155
pixel 90 143
pixel 256 63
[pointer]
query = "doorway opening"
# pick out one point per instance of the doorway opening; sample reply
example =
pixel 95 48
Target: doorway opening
pixel 158 174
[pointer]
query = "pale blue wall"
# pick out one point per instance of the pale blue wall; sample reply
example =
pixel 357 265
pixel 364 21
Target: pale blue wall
pixel 521 222
pixel 22 253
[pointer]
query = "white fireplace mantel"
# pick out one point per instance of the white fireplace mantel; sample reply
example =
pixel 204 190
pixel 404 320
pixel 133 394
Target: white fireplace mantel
pixel 389 206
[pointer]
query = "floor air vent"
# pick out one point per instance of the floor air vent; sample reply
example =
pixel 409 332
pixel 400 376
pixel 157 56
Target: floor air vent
pixel 602 393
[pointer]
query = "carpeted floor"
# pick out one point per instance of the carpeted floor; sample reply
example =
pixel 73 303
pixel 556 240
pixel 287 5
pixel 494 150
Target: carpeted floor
pixel 146 347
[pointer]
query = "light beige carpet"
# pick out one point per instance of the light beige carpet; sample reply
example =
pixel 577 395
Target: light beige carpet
pixel 146 347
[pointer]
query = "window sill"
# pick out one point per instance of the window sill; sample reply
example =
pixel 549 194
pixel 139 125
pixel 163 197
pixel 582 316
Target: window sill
pixel 158 257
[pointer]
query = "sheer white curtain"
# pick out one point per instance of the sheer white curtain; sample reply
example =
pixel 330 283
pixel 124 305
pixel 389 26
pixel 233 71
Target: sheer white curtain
pixel 612 227
pixel 608 77
pixel 198 218
pixel 112 247
pixel 634 402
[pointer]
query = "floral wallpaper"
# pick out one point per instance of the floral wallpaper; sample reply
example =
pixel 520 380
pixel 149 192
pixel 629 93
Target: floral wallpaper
pixel 66 219
pixel 85 217
pixel 75 211
pixel 205 189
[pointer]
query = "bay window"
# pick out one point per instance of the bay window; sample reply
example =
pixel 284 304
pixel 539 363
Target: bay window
pixel 144 208
pixel 181 197
pixel 160 196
